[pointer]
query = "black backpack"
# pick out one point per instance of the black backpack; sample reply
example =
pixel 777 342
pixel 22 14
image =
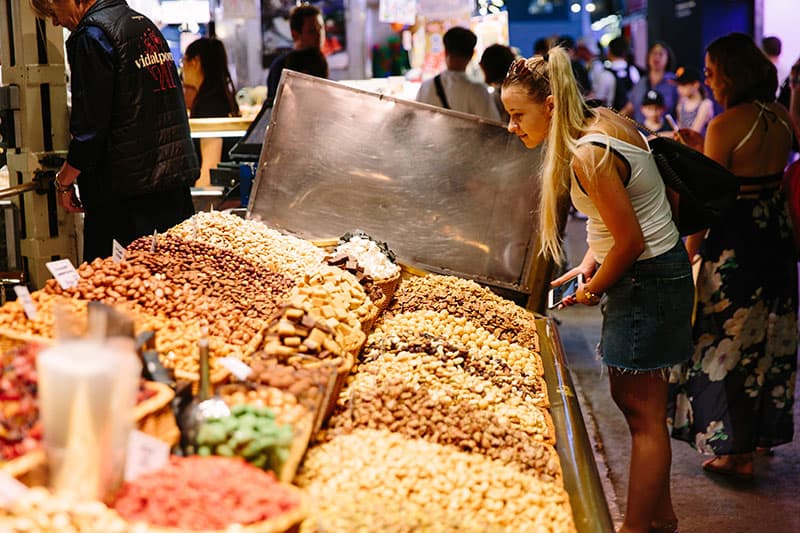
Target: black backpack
pixel 623 86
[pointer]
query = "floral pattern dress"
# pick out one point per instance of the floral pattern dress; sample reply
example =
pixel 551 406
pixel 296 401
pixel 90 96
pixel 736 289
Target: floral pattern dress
pixel 737 391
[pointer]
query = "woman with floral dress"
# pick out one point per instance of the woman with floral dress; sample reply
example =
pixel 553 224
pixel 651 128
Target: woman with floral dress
pixel 736 393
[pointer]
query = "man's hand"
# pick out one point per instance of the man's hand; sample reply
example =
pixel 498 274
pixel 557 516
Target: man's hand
pixel 69 200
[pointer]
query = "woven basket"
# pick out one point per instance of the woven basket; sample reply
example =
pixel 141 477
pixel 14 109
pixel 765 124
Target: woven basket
pixel 342 373
pixel 288 522
pixel 388 287
pixel 30 468
pixel 154 416
pixel 10 338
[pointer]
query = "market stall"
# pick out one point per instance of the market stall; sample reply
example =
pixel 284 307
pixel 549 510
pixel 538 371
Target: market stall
pixel 394 399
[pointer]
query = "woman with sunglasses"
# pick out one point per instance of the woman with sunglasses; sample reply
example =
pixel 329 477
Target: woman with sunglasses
pixel 636 265
pixel 736 394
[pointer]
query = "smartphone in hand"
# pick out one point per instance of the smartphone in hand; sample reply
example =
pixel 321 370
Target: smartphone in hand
pixel 557 294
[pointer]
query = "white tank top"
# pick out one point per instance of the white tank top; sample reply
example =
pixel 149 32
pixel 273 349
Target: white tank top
pixel 648 198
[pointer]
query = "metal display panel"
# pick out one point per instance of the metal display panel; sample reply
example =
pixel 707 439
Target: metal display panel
pixel 581 477
pixel 450 192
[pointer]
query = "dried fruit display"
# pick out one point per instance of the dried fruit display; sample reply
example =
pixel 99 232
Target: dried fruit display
pixel 20 430
pixel 204 493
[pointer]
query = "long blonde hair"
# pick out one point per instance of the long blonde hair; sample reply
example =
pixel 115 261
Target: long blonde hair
pixel 540 77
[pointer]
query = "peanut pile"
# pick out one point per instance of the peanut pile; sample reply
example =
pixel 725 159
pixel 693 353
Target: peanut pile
pixel 464 298
pixel 253 241
pixel 378 470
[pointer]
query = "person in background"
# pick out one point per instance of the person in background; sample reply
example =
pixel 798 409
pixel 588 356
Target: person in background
pixel 306 25
pixel 542 45
pixel 308 61
pixel 614 89
pixel 659 76
pixel 736 394
pixel 495 62
pixel 452 89
pixel 772 46
pixel 578 69
pixel 131 154
pixel 794 102
pixel 209 93
pixel 694 110
pixel 599 77
pixel 653 110
pixel 636 263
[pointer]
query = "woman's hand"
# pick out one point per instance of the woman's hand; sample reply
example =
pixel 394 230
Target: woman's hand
pixel 690 138
pixel 585 296
pixel 587 269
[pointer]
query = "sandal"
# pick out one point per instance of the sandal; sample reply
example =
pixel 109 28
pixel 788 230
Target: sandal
pixel 738 466
pixel 664 527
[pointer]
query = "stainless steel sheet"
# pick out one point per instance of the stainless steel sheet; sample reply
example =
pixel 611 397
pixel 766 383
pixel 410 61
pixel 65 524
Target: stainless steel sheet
pixel 449 192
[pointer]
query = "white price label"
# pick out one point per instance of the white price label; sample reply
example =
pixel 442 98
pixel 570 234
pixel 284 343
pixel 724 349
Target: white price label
pixel 11 490
pixel 153 244
pixel 117 251
pixel 24 297
pixel 145 454
pixel 236 367
pixel 64 272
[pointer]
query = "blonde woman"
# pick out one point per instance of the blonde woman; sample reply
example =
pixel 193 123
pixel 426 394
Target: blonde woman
pixel 636 265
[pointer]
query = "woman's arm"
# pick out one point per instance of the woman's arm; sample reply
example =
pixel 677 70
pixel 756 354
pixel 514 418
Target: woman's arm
pixel 602 179
pixel 210 155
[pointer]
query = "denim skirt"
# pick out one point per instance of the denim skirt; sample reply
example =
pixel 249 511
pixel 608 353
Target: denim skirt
pixel 647 314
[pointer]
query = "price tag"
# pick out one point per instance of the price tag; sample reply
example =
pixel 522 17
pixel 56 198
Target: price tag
pixel 194 228
pixel 236 367
pixel 64 272
pixel 153 245
pixel 145 454
pixel 117 251
pixel 11 490
pixel 24 297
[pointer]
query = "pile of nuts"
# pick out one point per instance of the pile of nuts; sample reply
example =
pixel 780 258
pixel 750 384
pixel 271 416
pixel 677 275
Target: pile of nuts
pixel 40 512
pixel 253 241
pixel 437 414
pixel 464 298
pixel 460 331
pixel 447 383
pixel 369 257
pixel 385 470
pixel 308 385
pixel 479 363
pixel 13 319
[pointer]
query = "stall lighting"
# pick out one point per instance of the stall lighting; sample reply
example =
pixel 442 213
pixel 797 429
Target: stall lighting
pixel 575 8
pixel 591 7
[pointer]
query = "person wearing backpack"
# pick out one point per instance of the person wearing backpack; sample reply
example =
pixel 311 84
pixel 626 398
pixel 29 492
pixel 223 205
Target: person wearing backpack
pixel 735 396
pixel 614 87
pixel 659 77
pixel 636 262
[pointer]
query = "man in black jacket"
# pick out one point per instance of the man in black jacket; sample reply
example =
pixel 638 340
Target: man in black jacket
pixel 131 154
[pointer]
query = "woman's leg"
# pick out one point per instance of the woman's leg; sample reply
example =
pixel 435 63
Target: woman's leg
pixel 642 398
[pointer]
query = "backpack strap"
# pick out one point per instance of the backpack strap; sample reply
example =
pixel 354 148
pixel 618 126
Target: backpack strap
pixel 594 140
pixel 437 80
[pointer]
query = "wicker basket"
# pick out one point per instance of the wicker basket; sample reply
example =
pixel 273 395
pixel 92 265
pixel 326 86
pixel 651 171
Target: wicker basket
pixel 154 416
pixel 10 338
pixel 342 373
pixel 30 468
pixel 288 522
pixel 388 287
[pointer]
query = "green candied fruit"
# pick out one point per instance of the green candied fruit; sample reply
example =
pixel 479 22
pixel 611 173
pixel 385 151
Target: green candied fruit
pixel 205 451
pixel 265 412
pixel 230 423
pixel 211 433
pixel 248 420
pixel 255 448
pixel 260 461
pixel 285 435
pixel 282 454
pixel 224 450
pixel 241 409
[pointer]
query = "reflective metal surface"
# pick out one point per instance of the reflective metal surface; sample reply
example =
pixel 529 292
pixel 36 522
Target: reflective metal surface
pixel 581 477
pixel 449 192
